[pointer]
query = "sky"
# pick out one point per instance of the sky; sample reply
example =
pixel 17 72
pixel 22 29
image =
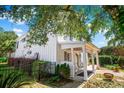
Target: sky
pixel 21 28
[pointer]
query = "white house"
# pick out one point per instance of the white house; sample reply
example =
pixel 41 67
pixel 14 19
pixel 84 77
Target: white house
pixel 61 49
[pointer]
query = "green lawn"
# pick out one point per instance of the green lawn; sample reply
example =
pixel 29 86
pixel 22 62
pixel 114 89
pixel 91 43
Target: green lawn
pixel 98 81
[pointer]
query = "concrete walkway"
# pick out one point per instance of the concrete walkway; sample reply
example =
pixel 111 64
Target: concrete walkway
pixel 73 84
pixel 120 74
pixel 35 85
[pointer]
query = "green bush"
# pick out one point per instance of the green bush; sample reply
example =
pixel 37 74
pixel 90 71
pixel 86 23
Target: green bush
pixel 111 60
pixel 36 68
pixel 63 70
pixel 121 62
pixel 105 60
pixel 54 79
pixel 112 67
pixel 3 59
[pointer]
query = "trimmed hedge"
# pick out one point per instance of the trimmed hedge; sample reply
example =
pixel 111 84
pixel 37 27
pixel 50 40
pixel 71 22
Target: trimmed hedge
pixel 105 60
pixel 3 59
pixel 110 60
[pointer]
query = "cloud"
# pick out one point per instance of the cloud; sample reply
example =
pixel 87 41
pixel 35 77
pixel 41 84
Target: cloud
pixel 10 20
pixel 19 35
pixel 16 30
pixel 102 43
pixel 2 18
pixel 19 32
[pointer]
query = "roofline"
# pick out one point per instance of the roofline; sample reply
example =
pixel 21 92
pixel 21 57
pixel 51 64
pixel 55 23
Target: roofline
pixel 93 45
pixel 21 36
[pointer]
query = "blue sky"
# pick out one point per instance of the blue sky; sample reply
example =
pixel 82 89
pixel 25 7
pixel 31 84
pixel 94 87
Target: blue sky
pixel 21 28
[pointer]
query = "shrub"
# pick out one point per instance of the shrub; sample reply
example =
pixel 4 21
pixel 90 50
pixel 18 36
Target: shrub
pixel 121 62
pixel 111 67
pixel 41 69
pixel 54 79
pixel 14 80
pixel 63 70
pixel 105 60
pixel 3 59
pixel 110 60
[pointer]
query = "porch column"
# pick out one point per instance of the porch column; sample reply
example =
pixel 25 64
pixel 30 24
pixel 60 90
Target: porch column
pixel 72 59
pixel 84 62
pixel 93 63
pixel 97 60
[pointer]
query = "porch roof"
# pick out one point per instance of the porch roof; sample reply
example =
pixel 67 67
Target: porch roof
pixel 78 46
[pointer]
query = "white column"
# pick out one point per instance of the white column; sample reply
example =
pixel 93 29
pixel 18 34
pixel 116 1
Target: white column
pixel 97 60
pixel 85 62
pixel 93 63
pixel 87 58
pixel 72 57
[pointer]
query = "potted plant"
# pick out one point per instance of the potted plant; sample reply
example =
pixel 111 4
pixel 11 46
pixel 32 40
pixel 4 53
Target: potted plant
pixel 108 76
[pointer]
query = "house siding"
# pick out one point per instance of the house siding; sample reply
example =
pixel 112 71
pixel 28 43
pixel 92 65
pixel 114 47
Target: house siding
pixel 46 52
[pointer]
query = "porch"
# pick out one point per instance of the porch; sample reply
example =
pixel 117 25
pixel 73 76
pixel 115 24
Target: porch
pixel 82 59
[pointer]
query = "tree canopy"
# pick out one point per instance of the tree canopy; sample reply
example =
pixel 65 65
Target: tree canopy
pixel 7 41
pixel 74 21
pixel 117 29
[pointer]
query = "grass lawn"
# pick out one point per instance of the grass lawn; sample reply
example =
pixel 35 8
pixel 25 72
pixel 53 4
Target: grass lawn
pixel 98 81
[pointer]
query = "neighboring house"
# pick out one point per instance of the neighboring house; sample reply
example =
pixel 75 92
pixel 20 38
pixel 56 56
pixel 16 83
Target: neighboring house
pixel 61 49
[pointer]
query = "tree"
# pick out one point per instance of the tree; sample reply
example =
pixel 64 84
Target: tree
pixel 116 32
pixel 7 42
pixel 67 20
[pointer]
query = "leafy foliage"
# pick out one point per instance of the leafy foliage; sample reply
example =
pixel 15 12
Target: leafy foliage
pixel 65 20
pixel 7 42
pixel 63 70
pixel 107 60
pixel 118 51
pixel 116 31
pixel 3 59
pixel 13 80
pixel 74 21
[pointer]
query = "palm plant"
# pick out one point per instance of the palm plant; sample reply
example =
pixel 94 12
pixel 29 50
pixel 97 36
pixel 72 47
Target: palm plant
pixel 13 80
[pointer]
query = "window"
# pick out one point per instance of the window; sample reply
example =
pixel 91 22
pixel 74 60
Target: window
pixel 67 56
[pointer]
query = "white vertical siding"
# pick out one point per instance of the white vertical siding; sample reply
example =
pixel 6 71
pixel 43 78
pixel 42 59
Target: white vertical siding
pixel 46 52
